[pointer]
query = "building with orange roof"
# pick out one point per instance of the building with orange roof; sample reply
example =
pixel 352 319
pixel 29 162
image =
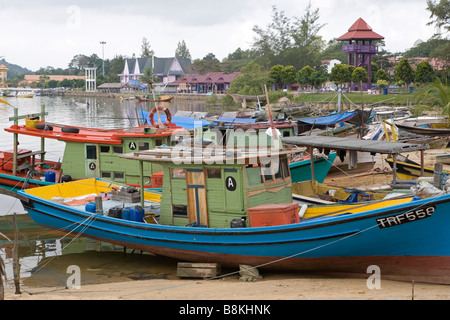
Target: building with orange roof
pixel 30 78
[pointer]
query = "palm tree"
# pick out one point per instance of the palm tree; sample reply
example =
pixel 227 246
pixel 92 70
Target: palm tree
pixel 437 95
pixel 149 78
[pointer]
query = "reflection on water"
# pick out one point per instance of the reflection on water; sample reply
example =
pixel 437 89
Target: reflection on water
pixel 44 254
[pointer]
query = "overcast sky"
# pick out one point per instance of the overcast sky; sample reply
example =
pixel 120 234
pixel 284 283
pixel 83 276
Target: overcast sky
pixel 51 32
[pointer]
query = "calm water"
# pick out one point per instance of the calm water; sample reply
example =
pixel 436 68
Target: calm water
pixel 39 247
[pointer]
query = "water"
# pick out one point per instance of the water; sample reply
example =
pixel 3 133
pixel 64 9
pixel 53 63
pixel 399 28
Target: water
pixel 44 255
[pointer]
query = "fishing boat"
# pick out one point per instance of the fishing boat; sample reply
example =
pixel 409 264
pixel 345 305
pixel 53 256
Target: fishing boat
pixel 162 98
pixel 231 208
pixel 88 152
pixel 407 169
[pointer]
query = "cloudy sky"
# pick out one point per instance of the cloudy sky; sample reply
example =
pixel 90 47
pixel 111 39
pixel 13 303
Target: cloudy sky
pixel 51 32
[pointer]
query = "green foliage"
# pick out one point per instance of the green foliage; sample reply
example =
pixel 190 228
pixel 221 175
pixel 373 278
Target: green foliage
pixel 404 72
pixel 341 73
pixel 435 94
pixel 252 81
pixel 382 75
pixel 360 75
pixel 146 51
pixel 182 51
pixel 440 11
pixel 309 76
pixel 424 73
pixel 382 83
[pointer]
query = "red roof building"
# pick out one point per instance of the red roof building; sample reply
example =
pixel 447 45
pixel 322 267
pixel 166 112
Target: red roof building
pixel 216 82
pixel 359 48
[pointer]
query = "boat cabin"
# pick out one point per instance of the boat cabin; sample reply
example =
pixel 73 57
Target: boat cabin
pixel 93 152
pixel 219 187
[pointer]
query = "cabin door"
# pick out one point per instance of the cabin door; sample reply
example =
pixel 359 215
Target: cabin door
pixel 92 169
pixel 196 196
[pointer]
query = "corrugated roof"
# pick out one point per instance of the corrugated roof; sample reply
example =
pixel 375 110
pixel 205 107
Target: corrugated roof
pixel 353 144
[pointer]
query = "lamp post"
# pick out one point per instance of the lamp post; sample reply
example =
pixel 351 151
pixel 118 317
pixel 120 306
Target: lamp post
pixel 103 56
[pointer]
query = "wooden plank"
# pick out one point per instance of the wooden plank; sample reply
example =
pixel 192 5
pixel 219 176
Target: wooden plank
pixel 198 270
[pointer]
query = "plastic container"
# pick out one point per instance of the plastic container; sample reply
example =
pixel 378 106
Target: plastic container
pixel 157 179
pixel 126 213
pixel 115 212
pixel 136 215
pixel 50 176
pixel 273 214
pixel 31 123
pixel 90 207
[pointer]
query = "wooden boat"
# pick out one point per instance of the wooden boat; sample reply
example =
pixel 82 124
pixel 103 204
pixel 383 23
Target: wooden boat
pixel 408 169
pixel 301 167
pixel 163 98
pixel 230 213
pixel 88 152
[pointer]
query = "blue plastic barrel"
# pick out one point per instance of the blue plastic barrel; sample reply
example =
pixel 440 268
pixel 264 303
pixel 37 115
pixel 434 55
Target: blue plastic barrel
pixel 90 207
pixel 136 215
pixel 126 213
pixel 50 176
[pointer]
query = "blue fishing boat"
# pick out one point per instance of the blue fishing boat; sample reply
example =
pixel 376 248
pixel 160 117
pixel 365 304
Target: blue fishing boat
pixel 240 211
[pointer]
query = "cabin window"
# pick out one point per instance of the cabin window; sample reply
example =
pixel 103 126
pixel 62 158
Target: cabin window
pixel 158 142
pixel 178 174
pixel 267 172
pixel 119 175
pixel 118 149
pixel 254 176
pixel 180 210
pixel 105 149
pixel 277 170
pixel 91 152
pixel 214 173
pixel 285 168
pixel 144 146
pixel 106 175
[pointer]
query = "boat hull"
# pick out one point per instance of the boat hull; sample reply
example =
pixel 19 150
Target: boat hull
pixel 348 244
pixel 301 171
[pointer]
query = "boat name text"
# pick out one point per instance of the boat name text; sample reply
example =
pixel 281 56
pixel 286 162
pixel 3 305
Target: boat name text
pixel 406 217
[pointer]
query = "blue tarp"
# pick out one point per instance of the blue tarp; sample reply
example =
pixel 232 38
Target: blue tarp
pixel 184 122
pixel 331 119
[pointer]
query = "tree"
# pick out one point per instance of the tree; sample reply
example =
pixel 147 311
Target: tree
pixel 146 51
pixel 381 75
pixel 435 95
pixel 341 73
pixel 359 75
pixel 306 36
pixel 276 75
pixel 208 64
pixel 440 13
pixel 182 51
pixel 288 76
pixel 311 77
pixel 404 72
pixel 252 81
pixel 424 73
pixel 149 78
pixel 79 62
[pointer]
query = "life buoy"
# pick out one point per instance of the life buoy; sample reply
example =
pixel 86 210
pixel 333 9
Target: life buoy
pixel 166 111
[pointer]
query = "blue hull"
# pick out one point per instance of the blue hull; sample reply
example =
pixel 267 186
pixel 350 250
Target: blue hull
pixel 408 241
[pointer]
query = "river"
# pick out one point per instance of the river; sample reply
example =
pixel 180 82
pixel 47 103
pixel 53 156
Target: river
pixel 39 246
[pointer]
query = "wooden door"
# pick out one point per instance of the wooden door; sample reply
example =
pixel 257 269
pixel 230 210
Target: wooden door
pixel 196 196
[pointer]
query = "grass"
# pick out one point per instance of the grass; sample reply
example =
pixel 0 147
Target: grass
pixel 355 97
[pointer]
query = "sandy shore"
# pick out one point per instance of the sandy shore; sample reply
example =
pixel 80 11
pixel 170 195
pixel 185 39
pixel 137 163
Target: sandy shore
pixel 115 276
pixel 275 287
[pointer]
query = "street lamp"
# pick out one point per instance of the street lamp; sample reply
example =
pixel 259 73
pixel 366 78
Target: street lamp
pixel 103 56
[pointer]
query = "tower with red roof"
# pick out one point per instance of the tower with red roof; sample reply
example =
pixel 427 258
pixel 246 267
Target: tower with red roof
pixel 359 48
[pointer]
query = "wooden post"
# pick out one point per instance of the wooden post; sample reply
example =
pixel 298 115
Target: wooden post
pixel 394 168
pixel 438 168
pixel 422 163
pixel 16 141
pixel 16 264
pixel 311 154
pixel 42 139
pixel 141 175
